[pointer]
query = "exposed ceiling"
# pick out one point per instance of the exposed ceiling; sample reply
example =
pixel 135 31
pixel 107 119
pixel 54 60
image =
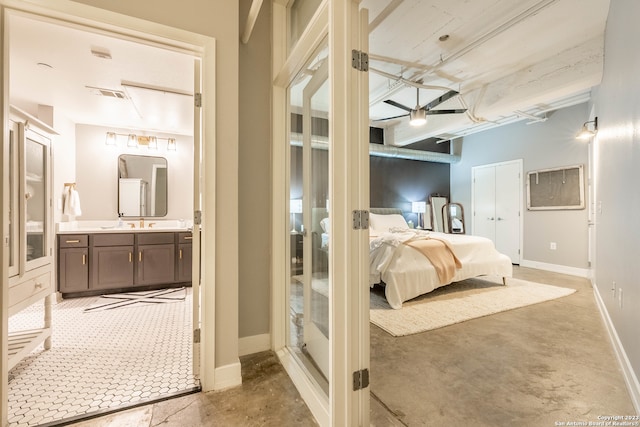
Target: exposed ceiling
pixel 509 59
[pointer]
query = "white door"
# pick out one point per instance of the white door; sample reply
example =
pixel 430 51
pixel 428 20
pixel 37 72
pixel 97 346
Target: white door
pixel 508 190
pixel 497 204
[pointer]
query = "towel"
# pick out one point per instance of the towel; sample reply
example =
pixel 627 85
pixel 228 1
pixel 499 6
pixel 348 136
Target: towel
pixel 72 203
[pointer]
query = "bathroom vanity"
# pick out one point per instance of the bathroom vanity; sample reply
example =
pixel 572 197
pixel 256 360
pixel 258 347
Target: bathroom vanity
pixel 109 261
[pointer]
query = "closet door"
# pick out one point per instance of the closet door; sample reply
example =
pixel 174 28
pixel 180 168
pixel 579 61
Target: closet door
pixel 484 207
pixel 507 204
pixel 497 201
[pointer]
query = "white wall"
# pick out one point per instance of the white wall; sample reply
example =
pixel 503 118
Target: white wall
pixel 97 172
pixel 542 145
pixel 617 169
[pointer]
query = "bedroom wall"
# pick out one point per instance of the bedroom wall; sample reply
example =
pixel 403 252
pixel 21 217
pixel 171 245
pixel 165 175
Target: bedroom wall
pixel 617 175
pixel 541 145
pixel 96 169
pixel 395 183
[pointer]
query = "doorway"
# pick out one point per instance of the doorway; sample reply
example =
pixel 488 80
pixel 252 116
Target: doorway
pixel 184 314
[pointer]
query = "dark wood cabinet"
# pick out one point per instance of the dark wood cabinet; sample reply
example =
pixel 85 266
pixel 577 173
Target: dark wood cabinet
pixel 185 257
pixel 90 264
pixel 73 262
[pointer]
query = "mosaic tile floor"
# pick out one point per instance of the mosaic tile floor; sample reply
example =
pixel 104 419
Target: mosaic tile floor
pixel 101 360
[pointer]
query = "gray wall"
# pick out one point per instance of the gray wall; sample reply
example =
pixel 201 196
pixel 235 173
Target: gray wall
pixel 255 177
pixel 617 169
pixel 541 145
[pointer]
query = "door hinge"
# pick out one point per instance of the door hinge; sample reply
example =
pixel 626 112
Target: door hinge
pixel 197 217
pixel 197 99
pixel 360 379
pixel 360 220
pixel 360 60
pixel 196 336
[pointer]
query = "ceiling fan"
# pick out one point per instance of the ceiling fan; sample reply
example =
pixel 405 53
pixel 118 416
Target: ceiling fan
pixel 418 115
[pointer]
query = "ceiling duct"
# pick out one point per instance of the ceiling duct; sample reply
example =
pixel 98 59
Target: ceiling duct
pixel 110 93
pixel 322 143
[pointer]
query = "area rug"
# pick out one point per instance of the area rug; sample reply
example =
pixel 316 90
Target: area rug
pixel 137 299
pixel 459 302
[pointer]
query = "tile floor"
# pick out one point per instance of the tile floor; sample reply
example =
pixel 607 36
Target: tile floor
pixel 101 360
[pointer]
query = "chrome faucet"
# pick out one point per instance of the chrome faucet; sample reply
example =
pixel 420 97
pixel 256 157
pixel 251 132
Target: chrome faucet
pixel 141 222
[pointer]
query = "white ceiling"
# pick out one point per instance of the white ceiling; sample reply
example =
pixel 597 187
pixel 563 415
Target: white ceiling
pixel 71 70
pixel 509 59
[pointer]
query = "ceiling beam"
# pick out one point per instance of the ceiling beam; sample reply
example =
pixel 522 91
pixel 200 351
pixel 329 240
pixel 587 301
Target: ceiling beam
pixel 254 11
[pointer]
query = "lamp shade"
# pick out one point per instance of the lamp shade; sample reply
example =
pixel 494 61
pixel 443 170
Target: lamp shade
pixel 132 140
pixel 417 117
pixel 153 143
pixel 418 207
pixel 171 144
pixel 295 205
pixel 111 138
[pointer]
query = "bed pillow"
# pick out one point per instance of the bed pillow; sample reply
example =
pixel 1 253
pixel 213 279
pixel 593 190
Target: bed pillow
pixel 383 223
pixel 324 224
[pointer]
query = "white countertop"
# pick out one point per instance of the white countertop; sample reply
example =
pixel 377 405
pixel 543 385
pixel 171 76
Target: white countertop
pixel 111 226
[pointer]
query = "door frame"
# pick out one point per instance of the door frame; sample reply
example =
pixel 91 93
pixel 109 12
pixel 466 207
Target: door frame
pixel 346 29
pixel 519 163
pixel 199 46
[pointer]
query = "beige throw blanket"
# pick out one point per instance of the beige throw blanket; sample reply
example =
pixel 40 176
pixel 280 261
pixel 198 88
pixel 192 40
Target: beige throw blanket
pixel 441 255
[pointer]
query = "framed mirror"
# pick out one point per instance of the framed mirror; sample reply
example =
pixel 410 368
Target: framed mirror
pixel 454 217
pixel 438 223
pixel 142 186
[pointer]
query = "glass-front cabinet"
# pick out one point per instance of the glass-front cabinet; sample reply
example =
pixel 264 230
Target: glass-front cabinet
pixel 30 231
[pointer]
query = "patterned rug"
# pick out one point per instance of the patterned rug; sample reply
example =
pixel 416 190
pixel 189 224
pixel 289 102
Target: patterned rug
pixel 137 299
pixel 458 302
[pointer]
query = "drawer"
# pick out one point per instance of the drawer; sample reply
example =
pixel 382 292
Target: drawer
pixel 73 240
pixel 116 239
pixel 184 237
pixel 27 292
pixel 155 238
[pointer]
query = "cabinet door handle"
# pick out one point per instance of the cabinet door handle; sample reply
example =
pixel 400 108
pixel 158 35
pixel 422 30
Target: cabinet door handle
pixel 188 237
pixel 140 256
pixel 84 259
pixel 130 257
pixel 38 285
pixel 73 241
pixel 180 254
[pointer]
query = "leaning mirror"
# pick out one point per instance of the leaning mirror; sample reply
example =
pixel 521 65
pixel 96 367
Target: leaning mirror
pixel 142 186
pixel 437 219
pixel 454 216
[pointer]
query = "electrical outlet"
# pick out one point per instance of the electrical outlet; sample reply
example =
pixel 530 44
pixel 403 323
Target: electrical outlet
pixel 620 297
pixel 553 246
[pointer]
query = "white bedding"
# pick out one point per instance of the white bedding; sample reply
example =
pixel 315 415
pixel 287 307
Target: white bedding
pixel 407 273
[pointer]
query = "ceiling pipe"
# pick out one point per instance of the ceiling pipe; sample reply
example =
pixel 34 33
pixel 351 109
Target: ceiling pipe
pixel 389 151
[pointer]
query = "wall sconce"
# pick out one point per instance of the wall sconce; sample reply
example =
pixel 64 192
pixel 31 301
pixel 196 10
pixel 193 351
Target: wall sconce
pixel 420 208
pixel 134 141
pixel 295 207
pixel 585 132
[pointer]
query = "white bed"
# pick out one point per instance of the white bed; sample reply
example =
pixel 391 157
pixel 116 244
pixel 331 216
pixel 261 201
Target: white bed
pixel 407 273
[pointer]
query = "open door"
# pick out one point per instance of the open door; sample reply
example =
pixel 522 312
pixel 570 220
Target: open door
pixel 197 209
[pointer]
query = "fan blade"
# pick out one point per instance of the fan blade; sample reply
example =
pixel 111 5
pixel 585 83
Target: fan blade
pixel 432 112
pixel 440 99
pixel 395 104
pixel 389 118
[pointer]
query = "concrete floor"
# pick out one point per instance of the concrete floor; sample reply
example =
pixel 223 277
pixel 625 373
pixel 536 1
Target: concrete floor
pixel 535 366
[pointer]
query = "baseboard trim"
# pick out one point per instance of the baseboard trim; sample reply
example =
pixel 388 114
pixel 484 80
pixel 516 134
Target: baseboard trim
pixel 315 399
pixel 562 269
pixel 630 377
pixel 254 344
pixel 228 376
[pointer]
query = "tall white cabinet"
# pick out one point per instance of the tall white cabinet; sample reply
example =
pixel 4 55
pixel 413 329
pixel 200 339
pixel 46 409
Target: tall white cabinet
pixel 30 229
pixel 497 206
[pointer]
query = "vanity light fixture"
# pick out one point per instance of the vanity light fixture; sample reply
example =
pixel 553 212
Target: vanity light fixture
pixel 111 138
pixel 420 208
pixel 585 132
pixel 134 141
